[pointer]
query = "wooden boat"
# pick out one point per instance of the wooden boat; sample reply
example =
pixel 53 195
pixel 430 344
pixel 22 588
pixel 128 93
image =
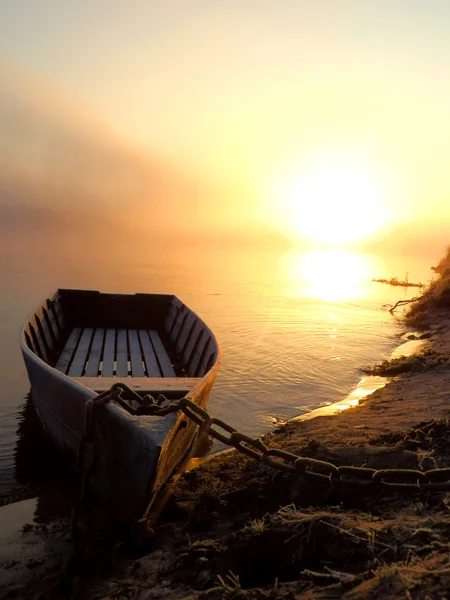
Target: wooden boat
pixel 78 343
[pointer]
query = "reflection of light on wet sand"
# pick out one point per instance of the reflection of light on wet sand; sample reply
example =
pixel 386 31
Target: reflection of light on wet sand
pixel 409 348
pixel 28 550
pixel 12 518
pixel 366 386
pixel 330 275
pixel 14 548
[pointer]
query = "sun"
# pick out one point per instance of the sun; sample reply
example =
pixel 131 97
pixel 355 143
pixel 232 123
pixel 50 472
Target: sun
pixel 337 203
pixel 332 275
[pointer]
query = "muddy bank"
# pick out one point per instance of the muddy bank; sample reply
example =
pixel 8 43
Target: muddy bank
pixel 234 528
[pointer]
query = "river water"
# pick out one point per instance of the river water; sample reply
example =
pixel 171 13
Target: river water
pixel 295 326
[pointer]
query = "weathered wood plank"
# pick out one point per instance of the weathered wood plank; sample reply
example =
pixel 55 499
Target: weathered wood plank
pixel 38 351
pixel 137 368
pixel 52 313
pixel 211 360
pixel 186 323
pixel 48 331
pixel 41 338
pixel 68 350
pixel 95 354
pixel 122 353
pixel 194 352
pixel 183 354
pixel 191 341
pixel 171 318
pixel 175 328
pixel 29 341
pixel 44 331
pixel 151 364
pixel 142 384
pixel 109 353
pixel 163 358
pixel 200 369
pixel 59 313
pixel 81 353
pixel 51 322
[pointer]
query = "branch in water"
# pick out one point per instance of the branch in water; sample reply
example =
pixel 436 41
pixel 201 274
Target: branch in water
pixel 402 302
pixel 398 282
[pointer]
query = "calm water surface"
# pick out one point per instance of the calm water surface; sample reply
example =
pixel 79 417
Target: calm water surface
pixel 293 336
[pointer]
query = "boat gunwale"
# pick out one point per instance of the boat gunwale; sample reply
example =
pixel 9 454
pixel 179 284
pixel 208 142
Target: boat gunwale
pixel 192 392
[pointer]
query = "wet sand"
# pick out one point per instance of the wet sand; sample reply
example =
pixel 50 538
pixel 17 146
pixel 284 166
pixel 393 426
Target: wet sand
pixel 233 528
pixel 29 550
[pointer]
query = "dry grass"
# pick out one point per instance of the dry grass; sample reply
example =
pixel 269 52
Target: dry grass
pixel 435 298
pixel 407 364
pixel 394 281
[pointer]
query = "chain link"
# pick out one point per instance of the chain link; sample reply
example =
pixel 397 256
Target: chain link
pixel 287 462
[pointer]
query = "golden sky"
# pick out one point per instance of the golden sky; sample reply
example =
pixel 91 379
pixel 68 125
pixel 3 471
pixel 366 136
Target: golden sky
pixel 259 108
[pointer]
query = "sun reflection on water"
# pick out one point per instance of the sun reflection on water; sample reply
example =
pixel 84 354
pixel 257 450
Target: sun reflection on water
pixel 330 275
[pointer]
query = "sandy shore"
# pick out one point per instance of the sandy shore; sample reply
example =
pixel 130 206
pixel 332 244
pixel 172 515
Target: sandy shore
pixel 233 528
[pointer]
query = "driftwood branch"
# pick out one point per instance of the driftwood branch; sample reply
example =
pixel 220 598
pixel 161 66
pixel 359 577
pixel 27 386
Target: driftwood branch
pixel 403 302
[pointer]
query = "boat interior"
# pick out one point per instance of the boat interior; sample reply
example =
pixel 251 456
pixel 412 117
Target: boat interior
pixel 150 341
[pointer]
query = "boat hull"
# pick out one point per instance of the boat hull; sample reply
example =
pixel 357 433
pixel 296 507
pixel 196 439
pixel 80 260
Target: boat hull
pixel 131 457
pixel 59 403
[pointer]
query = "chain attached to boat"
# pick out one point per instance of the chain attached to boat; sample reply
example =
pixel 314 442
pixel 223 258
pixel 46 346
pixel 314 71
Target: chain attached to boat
pixel 287 462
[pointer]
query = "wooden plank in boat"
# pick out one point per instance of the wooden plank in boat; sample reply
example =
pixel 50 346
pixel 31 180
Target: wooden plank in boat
pixel 69 350
pixel 211 359
pixel 122 353
pixel 137 368
pixel 174 331
pixel 59 313
pixel 51 338
pixel 171 318
pixel 81 353
pixel 194 354
pixel 95 353
pixel 51 321
pixel 163 358
pixel 45 330
pixel 149 354
pixel 200 368
pixel 188 342
pixel 43 344
pixel 30 341
pixel 141 384
pixel 36 343
pixel 109 353
pixel 187 323
pixel 192 342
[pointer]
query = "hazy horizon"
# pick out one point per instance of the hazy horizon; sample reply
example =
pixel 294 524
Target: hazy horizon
pixel 325 123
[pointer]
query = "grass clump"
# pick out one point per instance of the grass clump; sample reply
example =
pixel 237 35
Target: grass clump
pixel 429 359
pixel 256 526
pixel 436 297
pixel 228 585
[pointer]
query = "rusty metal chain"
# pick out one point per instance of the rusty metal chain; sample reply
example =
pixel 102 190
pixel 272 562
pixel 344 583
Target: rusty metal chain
pixel 287 462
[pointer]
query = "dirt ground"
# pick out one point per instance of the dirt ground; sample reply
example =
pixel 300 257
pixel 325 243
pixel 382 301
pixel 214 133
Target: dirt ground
pixel 235 528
